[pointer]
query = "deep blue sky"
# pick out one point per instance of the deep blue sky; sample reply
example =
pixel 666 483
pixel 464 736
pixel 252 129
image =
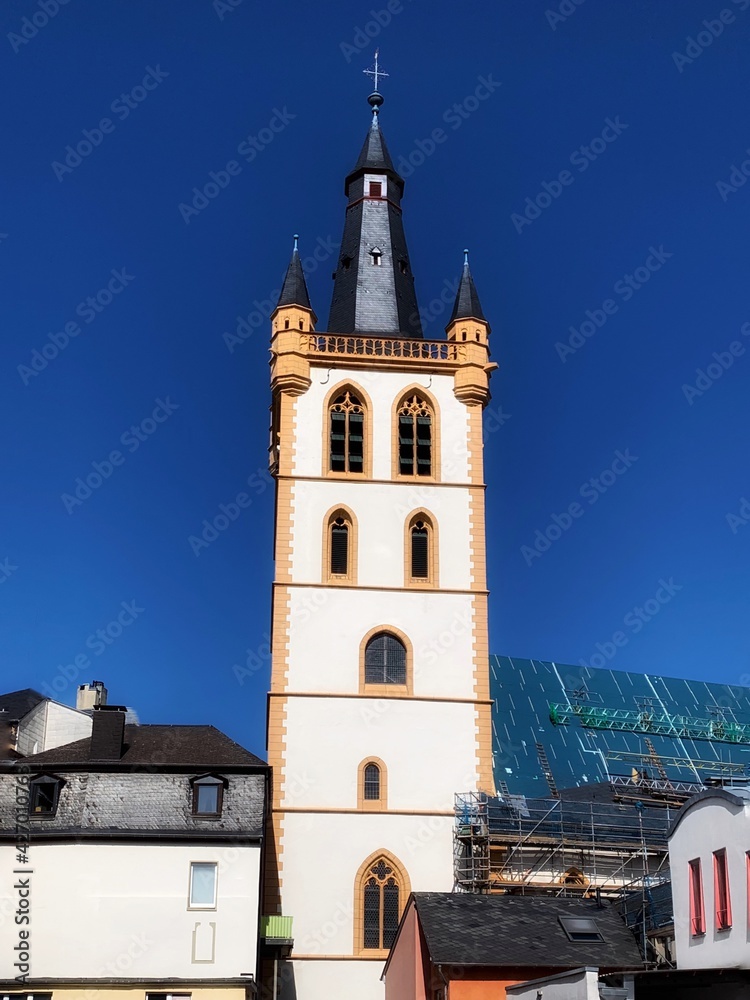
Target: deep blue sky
pixel 229 73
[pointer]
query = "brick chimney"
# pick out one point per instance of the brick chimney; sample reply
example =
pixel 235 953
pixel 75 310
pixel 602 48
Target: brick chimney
pixel 107 733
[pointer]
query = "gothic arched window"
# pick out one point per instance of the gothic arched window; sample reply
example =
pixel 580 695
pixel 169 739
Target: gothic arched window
pixel 382 899
pixel 414 437
pixel 346 433
pixel 385 660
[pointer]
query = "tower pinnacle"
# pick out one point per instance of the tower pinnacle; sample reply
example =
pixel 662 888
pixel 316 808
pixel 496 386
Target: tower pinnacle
pixel 467 304
pixel 294 290
pixel 374 287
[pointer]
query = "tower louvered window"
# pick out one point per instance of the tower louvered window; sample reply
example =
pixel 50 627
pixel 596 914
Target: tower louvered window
pixel 385 660
pixel 347 424
pixel 415 437
pixel 339 547
pixel 381 906
pixel 420 559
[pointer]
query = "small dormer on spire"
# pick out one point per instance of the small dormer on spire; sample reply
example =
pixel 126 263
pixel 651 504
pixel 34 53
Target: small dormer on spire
pixel 467 322
pixel 293 310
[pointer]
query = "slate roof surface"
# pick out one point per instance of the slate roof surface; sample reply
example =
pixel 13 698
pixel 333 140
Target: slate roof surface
pixel 374 300
pixel 294 289
pixel 15 704
pixel 196 746
pixel 374 154
pixel 466 929
pixel 467 300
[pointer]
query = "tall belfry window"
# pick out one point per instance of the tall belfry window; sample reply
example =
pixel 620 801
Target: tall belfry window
pixel 415 437
pixel 347 425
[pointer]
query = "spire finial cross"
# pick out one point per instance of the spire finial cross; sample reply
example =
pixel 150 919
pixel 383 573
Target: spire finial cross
pixel 375 72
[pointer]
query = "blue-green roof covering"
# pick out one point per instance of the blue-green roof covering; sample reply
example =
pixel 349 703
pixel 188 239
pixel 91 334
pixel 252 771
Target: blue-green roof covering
pixel 524 690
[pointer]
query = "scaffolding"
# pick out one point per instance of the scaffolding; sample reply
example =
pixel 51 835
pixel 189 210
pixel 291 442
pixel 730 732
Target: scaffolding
pixel 646 720
pixel 515 844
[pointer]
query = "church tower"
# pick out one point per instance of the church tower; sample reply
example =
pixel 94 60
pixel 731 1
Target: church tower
pixel 379 709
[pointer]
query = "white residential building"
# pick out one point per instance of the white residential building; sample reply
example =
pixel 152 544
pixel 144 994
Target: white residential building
pixel 709 859
pixel 135 854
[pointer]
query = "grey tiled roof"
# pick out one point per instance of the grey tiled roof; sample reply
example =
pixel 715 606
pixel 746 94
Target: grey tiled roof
pixel 187 746
pixel 466 929
pixel 15 704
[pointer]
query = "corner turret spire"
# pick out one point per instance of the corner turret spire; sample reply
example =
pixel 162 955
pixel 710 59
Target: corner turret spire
pixel 374 287
pixel 467 304
pixel 294 289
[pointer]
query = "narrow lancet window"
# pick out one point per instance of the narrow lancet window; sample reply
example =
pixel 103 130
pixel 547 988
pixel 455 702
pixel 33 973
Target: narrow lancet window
pixel 420 559
pixel 339 547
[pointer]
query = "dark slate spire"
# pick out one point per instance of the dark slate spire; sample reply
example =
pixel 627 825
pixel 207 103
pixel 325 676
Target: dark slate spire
pixel 374 288
pixel 294 289
pixel 374 154
pixel 467 304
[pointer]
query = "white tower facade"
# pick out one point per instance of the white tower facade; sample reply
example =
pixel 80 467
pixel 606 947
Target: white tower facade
pixel 379 709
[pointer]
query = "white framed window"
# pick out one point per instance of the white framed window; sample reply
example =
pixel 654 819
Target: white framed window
pixel 202 885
